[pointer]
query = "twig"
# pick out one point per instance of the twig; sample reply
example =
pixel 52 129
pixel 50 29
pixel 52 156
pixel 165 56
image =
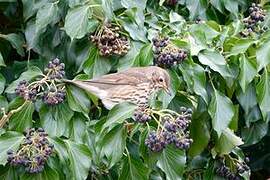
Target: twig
pixel 6 117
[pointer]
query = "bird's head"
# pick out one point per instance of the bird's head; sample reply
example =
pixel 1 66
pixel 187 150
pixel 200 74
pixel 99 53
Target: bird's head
pixel 161 79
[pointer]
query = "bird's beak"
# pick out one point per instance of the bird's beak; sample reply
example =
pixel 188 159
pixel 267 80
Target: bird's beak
pixel 167 90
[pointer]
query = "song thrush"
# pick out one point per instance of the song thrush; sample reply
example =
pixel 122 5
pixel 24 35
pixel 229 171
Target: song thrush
pixel 134 85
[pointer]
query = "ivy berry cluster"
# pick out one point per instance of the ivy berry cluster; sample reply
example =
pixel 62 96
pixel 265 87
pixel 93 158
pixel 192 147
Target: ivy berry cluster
pixel 33 153
pixel 142 115
pixel 234 171
pixel 166 54
pixel 110 41
pixel 256 16
pixel 172 129
pixel 48 88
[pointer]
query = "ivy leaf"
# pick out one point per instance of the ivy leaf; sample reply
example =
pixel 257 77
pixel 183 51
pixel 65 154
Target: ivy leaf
pixel 221 111
pixel 263 95
pixel 140 4
pixel 80 159
pixel 60 149
pixel 3 103
pixel 2 83
pixel 254 133
pixel 9 140
pixel 76 22
pixel 240 46
pixel 145 56
pixel 175 17
pixel 114 143
pixel 263 55
pixel 2 62
pixel 194 76
pixel 172 162
pixel 16 41
pixel 46 14
pixel 215 61
pixel 129 59
pixel 196 8
pixel 107 6
pixel 46 174
pixel 119 114
pixel 135 31
pixel 96 65
pixel 231 6
pixel 55 119
pixel 134 169
pixel 9 172
pixel 78 100
pixel 227 141
pixel 77 127
pixel 31 73
pixel 248 99
pixel 247 71
pixel 200 134
pixel 22 119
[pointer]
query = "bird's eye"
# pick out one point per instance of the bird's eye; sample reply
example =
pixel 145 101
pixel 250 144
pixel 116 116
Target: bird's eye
pixel 160 80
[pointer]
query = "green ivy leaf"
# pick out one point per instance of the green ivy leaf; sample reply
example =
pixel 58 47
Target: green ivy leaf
pixel 135 31
pixel 134 169
pixel 194 76
pixel 80 160
pixel 215 61
pixel 60 149
pixel 107 6
pixel 46 174
pixel 247 71
pixel 113 144
pixel 2 83
pixel 172 162
pixel 140 4
pixel 227 141
pixel 77 21
pixel 77 127
pixel 196 8
pixel 9 140
pixel 46 15
pixel 254 133
pixel 240 46
pixel 9 172
pixel 3 103
pixel 248 98
pixel 221 111
pixel 22 119
pixel 145 56
pixel 78 100
pixel 128 60
pixel 16 41
pixel 200 134
pixel 55 119
pixel 2 62
pixel 96 65
pixel 263 95
pixel 231 6
pixel 31 73
pixel 263 55
pixel 119 114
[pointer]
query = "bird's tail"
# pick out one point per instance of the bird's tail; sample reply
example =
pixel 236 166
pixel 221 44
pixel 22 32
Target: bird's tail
pixel 89 87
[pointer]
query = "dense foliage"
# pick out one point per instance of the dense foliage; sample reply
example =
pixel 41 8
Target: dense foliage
pixel 214 125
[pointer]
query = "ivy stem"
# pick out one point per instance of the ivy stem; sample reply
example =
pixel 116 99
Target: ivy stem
pixel 6 117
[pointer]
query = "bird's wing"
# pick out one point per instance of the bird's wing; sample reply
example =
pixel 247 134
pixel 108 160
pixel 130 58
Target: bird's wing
pixel 132 76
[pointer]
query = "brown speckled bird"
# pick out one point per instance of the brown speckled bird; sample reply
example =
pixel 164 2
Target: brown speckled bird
pixel 134 85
